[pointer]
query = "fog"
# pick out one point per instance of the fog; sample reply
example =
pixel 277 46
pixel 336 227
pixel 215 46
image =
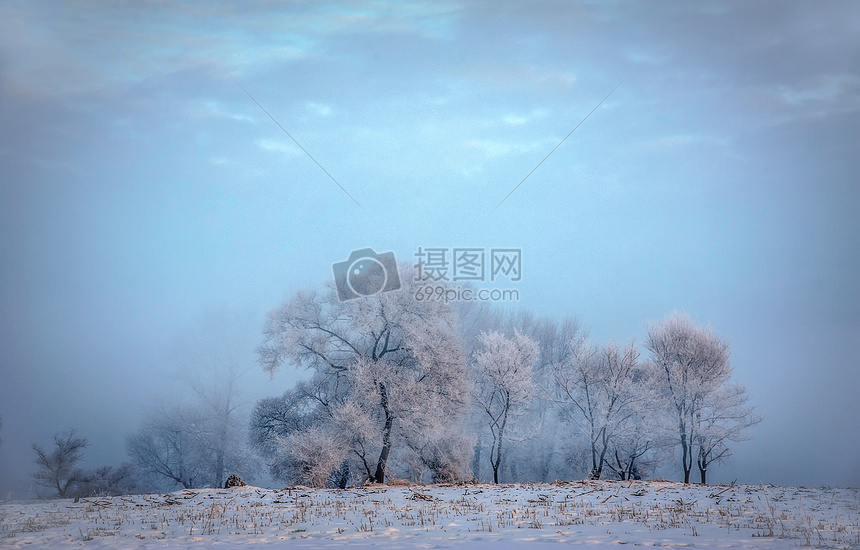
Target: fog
pixel 143 194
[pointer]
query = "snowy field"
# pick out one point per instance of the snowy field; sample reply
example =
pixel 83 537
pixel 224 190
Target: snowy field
pixel 467 517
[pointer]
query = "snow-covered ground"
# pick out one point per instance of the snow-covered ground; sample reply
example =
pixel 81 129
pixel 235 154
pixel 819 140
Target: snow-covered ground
pixel 465 517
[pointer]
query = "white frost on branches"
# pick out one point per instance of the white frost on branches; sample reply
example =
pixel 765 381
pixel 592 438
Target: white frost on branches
pixel 503 385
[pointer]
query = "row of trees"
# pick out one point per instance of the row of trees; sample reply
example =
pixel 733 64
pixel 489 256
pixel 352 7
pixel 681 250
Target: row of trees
pixel 432 392
pixel 438 392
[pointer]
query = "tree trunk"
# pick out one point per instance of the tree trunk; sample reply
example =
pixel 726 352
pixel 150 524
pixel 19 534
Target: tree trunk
pixel 686 458
pixel 221 452
pixel 602 459
pixel 476 460
pixel 702 463
pixel 379 476
pixel 498 459
pixel 219 464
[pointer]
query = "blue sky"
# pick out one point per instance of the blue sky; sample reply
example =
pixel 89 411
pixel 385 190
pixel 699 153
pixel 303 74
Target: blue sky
pixel 140 187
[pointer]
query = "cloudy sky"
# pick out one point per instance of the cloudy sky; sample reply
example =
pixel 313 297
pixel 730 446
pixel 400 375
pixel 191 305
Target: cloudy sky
pixel 141 188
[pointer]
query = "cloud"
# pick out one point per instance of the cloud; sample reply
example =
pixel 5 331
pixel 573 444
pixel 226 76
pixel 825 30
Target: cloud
pixel 318 108
pixel 209 108
pixel 671 142
pixel 279 146
pixel 56 50
pixel 641 57
pixel 523 75
pixel 837 89
pixel 497 148
pixel 520 119
pixel 514 120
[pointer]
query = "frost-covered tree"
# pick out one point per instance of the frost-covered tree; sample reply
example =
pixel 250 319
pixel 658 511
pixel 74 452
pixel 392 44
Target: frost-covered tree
pixel 174 447
pixel 546 451
pixel 503 384
pixel 168 448
pixel 644 441
pixel 443 451
pixel 533 450
pixel 695 368
pixel 204 439
pixel 57 468
pixel 723 419
pixel 596 387
pixel 276 418
pixel 212 356
pixel 384 369
pixel 627 456
pixel 316 452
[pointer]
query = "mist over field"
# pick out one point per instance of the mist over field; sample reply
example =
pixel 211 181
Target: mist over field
pixel 177 181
